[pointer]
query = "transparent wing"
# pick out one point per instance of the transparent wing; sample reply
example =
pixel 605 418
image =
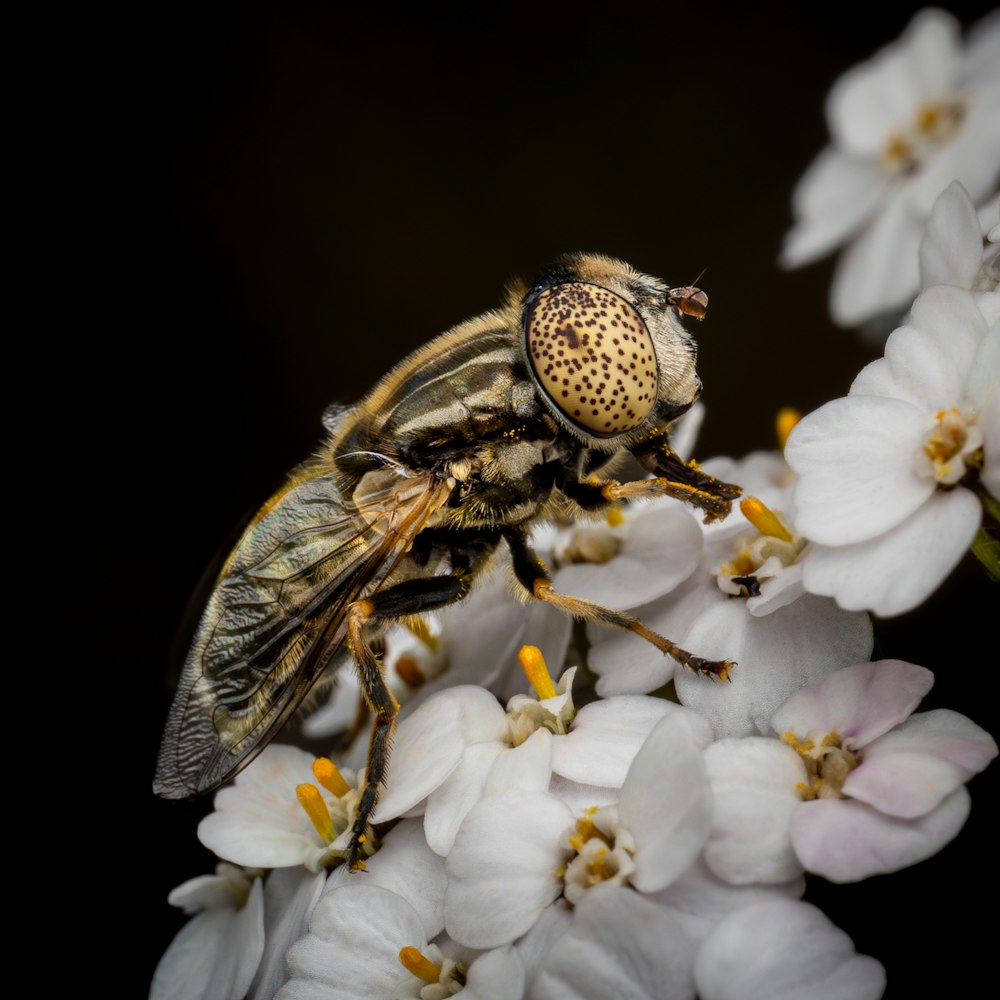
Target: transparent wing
pixel 278 615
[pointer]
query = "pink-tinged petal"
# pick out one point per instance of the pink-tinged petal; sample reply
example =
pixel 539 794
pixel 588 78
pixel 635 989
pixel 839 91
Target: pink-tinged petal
pixel 855 457
pixel 784 950
pixel 430 741
pixel 503 867
pixel 451 801
pixel 497 975
pixel 665 804
pixel 405 865
pixel 952 248
pixel 606 735
pixel 775 655
pixel 898 570
pixel 661 549
pixel 755 784
pixel 859 703
pixel 618 945
pixel 352 949
pixel 878 272
pixel 845 840
pixel 214 955
pixel 907 772
pixel 290 895
pixel 831 202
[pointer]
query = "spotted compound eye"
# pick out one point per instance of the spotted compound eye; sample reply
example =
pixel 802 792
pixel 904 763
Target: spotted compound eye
pixel 593 357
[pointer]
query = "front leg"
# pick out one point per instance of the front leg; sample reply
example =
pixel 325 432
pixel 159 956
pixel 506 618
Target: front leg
pixel 676 478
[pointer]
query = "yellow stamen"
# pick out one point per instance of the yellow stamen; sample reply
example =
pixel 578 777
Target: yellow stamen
pixel 420 628
pixel 423 968
pixel 409 670
pixel 614 516
pixel 787 418
pixel 763 519
pixel 533 664
pixel 329 777
pixel 929 117
pixel 317 811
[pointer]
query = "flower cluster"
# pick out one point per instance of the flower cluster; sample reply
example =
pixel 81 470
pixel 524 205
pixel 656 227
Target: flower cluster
pixel 632 829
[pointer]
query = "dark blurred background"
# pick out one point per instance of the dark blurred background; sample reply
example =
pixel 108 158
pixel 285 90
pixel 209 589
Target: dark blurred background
pixel 287 198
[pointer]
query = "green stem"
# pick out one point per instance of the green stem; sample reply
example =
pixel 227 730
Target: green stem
pixel 986 544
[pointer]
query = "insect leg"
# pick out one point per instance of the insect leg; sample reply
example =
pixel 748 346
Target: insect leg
pixel 407 598
pixel 532 574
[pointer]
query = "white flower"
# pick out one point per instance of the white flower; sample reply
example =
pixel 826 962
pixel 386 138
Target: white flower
pixel 215 955
pixel 921 113
pixel 880 471
pixel 784 950
pixel 780 637
pixel 275 816
pixel 365 941
pixel 460 746
pixel 516 854
pixel 854 786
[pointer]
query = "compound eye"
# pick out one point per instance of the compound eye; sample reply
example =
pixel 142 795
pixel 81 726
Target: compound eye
pixel 593 357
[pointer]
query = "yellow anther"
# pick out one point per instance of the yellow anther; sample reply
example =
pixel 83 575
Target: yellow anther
pixel 614 516
pixel 786 419
pixel 533 664
pixel 329 777
pixel 763 519
pixel 423 968
pixel 929 117
pixel 317 811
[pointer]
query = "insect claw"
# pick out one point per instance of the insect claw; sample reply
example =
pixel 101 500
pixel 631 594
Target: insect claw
pixel 717 669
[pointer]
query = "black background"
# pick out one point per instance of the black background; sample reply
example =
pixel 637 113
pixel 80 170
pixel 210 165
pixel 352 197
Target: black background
pixel 274 203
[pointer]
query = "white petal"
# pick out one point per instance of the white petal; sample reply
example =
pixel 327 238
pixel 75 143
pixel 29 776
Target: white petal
pixel 898 570
pixel 859 702
pixel 290 895
pixel 606 735
pixel 497 975
pixel 784 950
pixel 907 772
pixel 661 549
pixel 665 804
pixel 855 460
pixel 700 899
pixel 989 419
pixel 619 945
pixel 450 803
pixel 831 201
pixel 214 955
pixel 429 744
pixel 581 797
pixel 984 376
pixel 755 788
pixel 845 841
pixel 405 865
pixel 352 950
pixel 503 866
pixel 952 247
pixel 878 273
pixel 775 655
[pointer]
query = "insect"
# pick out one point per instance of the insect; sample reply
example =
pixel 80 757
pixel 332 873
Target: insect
pixel 457 451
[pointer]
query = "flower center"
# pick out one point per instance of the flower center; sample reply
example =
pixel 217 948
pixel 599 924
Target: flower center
pixel 331 815
pixel 952 445
pixel 758 556
pixel 603 853
pixel 553 709
pixel 933 126
pixel 444 977
pixel 827 763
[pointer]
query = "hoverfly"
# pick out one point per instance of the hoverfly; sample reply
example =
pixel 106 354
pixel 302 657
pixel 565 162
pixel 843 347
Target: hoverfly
pixel 461 447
